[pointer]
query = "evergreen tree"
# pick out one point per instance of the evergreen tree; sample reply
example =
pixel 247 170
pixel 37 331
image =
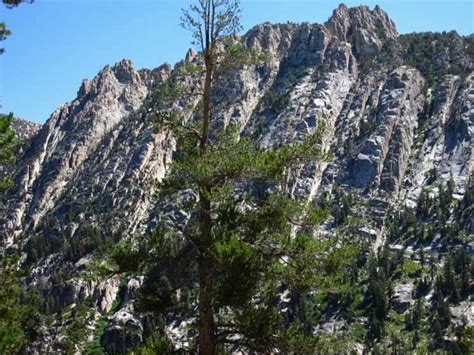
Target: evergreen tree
pixel 441 307
pixel 424 204
pixel 4 31
pixel 245 235
pixel 376 296
pixel 17 310
pixel 14 3
pixel 436 341
pixel 7 146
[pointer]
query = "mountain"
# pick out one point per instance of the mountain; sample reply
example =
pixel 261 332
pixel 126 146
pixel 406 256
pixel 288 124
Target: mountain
pixel 25 129
pixel 399 115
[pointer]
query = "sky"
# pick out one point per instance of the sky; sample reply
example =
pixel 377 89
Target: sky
pixel 57 43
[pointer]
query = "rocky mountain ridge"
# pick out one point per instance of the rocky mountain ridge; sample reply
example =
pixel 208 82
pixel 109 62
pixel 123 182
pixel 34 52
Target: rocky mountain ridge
pixel 25 129
pixel 88 177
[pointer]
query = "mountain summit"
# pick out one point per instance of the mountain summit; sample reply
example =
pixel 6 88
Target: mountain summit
pixel 399 119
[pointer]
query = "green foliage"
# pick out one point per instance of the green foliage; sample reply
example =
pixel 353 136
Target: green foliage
pixel 413 318
pixel 420 49
pixel 99 269
pixel 94 347
pixel 7 146
pixel 154 344
pixel 156 296
pixel 296 340
pixel 224 16
pixel 238 232
pixel 4 31
pixel 424 204
pixel 237 240
pixel 126 256
pixel 341 206
pixel 411 268
pixel 237 269
pixel 258 325
pixel 465 336
pixel 75 317
pixel 277 102
pixel 18 310
pixel 434 215
pixel 86 240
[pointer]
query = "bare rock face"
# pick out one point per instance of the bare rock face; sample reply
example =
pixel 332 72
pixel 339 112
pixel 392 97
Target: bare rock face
pixel 403 297
pixel 385 151
pixel 25 129
pixel 115 339
pixel 88 178
pixel 365 29
pixel 69 138
pixel 102 292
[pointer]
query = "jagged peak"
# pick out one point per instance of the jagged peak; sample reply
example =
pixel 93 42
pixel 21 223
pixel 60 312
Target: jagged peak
pixel 25 129
pixel 341 11
pixel 123 71
pixel 151 77
pixel 365 29
pixel 190 55
pixel 345 20
pixel 268 36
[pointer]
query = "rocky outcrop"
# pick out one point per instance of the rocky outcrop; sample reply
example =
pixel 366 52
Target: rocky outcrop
pixel 94 159
pixel 89 175
pixel 365 29
pixel 71 136
pixel 384 156
pixel 403 297
pixel 24 132
pixel 123 332
pixel 25 129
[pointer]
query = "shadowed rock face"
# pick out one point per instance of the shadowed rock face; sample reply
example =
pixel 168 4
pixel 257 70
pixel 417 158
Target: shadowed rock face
pixel 94 162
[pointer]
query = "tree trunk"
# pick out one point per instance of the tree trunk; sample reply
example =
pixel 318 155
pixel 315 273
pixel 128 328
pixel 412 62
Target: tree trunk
pixel 206 106
pixel 207 341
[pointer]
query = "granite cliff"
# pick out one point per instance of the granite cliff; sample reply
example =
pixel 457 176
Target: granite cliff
pixel 399 114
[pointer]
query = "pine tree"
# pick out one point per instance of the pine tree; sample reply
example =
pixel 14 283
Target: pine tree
pixel 437 334
pixel 244 237
pixel 440 305
pixel 7 146
pixel 376 296
pixel 17 309
pixel 14 3
pixel 423 204
pixel 4 31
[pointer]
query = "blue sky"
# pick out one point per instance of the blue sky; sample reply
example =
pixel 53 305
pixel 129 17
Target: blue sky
pixel 58 43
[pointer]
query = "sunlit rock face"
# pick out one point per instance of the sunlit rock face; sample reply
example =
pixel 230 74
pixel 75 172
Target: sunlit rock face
pixel 93 166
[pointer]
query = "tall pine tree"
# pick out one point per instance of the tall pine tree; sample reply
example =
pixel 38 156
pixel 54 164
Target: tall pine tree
pixel 243 238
